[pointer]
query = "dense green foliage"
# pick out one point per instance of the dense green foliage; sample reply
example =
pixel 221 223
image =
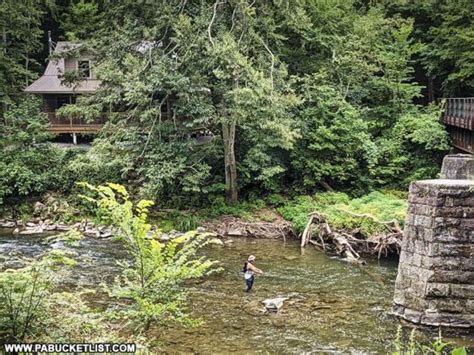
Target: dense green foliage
pixel 211 98
pixel 436 347
pixel 27 296
pixel 343 120
pixel 29 164
pixel 152 286
pixel 20 34
pixel 366 213
pixel 444 31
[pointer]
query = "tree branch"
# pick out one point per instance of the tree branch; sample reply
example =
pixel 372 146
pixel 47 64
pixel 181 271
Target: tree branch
pixel 153 126
pixel 272 67
pixel 209 28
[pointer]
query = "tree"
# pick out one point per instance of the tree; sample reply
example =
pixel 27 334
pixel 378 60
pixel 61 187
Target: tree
pixel 80 19
pixel 213 62
pixel 444 31
pixel 20 39
pixel 210 97
pixel 336 144
pixel 450 55
pixel 25 165
pixel 361 89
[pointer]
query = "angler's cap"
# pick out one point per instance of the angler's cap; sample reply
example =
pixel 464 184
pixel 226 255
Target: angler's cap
pixel 251 258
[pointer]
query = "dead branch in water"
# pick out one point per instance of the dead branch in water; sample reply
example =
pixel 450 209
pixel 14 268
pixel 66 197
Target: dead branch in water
pixel 347 245
pixel 234 226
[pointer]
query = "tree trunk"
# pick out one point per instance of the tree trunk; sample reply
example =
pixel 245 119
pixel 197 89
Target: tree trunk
pixel 4 104
pixel 230 164
pixel 431 92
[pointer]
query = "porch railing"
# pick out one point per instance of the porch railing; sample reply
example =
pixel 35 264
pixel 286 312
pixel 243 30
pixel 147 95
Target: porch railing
pixel 459 119
pixel 459 112
pixel 74 125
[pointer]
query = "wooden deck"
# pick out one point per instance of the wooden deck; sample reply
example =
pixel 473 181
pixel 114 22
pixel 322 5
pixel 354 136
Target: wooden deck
pixel 80 126
pixel 459 119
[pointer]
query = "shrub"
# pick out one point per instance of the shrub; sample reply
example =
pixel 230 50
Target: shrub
pixel 365 213
pixel 26 295
pixel 153 284
pixel 412 347
pixel 28 164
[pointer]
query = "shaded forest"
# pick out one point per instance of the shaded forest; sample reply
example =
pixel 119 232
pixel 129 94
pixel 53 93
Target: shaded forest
pixel 291 97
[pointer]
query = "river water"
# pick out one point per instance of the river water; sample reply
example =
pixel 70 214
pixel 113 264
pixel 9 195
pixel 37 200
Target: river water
pixel 333 307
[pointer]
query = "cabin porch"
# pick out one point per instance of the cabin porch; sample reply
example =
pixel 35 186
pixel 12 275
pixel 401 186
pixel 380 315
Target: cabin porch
pixel 61 125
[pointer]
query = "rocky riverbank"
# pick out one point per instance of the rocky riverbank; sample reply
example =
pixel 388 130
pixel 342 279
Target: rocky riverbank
pixel 87 228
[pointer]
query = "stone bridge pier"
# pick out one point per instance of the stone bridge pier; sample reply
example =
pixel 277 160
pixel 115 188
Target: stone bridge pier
pixel 435 281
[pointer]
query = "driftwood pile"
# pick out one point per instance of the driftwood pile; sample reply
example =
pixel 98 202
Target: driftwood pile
pixel 350 245
pixel 233 226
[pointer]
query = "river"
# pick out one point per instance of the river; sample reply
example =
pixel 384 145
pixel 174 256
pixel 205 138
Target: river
pixel 334 307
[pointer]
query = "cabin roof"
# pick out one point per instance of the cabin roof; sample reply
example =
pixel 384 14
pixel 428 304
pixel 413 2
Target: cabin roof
pixel 51 83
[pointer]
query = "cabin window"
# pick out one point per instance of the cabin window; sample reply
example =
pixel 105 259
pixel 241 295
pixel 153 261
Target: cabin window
pixel 84 68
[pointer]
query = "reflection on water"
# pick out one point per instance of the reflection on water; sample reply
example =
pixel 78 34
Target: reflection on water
pixel 334 307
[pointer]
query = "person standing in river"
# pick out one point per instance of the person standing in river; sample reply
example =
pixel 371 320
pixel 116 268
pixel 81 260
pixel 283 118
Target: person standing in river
pixel 249 272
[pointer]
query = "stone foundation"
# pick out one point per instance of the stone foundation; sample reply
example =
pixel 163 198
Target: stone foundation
pixel 435 281
pixel 458 167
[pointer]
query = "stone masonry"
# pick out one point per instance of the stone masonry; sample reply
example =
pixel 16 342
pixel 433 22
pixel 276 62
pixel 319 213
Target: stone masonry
pixel 435 281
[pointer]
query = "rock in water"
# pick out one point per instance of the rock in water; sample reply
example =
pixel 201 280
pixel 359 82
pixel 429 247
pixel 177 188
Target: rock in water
pixel 216 241
pixel 235 232
pixel 274 304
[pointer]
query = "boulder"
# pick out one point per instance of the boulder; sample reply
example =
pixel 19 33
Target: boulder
pixel 8 224
pixel 235 232
pixel 63 227
pixel 164 237
pixel 216 241
pixel 274 304
pixel 32 230
pixel 92 233
pixel 14 264
pixel 39 208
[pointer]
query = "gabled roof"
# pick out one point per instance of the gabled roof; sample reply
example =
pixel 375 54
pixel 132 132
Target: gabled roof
pixel 50 82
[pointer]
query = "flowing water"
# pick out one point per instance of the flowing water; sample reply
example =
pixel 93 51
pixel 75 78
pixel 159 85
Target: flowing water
pixel 333 307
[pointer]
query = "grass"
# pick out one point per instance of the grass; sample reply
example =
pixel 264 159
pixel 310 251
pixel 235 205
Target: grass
pixel 340 211
pixel 335 206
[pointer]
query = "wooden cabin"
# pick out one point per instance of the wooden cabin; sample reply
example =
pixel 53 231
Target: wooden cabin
pixel 459 119
pixel 56 93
